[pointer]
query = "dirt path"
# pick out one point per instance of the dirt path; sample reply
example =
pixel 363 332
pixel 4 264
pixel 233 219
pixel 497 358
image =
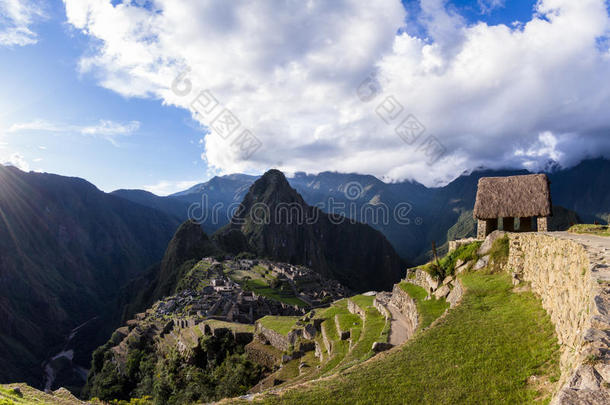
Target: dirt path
pixel 398 326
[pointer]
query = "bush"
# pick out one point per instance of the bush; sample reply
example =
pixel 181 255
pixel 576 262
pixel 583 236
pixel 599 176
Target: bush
pixel 446 266
pixel 245 256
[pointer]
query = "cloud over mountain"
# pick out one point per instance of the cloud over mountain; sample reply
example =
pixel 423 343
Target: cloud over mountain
pixel 342 86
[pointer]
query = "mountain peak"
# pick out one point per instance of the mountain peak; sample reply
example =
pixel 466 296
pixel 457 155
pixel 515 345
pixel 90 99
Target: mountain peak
pixel 273 177
pixel 272 187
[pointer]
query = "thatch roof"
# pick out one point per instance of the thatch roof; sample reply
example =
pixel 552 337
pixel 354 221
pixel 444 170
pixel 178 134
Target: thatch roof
pixel 513 196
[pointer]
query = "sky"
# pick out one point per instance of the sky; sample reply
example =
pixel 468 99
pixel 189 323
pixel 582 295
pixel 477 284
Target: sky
pixel 163 94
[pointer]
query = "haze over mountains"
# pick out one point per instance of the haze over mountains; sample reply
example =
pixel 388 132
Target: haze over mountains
pixel 70 252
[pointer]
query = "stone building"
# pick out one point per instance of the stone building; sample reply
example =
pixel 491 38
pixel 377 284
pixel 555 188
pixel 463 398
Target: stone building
pixel 523 197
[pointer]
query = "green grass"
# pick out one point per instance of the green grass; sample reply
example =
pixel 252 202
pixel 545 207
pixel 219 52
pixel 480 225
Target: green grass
pixel 259 287
pixel 498 254
pixel 482 352
pixel 428 310
pixel 363 301
pixel 7 397
pixel 373 331
pixel 31 395
pixel 281 324
pixel 348 321
pixel 599 230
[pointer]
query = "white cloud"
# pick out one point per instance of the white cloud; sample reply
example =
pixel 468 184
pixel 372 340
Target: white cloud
pixel 110 130
pixel 16 19
pixel 103 129
pixel 17 160
pixel 166 187
pixel 488 6
pixel 289 72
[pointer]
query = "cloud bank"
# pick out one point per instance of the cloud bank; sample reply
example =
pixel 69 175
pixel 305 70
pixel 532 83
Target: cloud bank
pixel 331 85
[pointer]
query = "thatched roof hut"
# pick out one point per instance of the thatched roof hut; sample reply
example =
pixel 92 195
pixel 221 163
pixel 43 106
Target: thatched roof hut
pixel 513 196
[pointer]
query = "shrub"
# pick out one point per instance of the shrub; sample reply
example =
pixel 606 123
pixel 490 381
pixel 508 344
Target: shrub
pixel 245 255
pixel 446 265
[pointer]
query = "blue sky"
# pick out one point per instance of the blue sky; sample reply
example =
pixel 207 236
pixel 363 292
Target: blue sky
pixel 42 82
pixel 55 117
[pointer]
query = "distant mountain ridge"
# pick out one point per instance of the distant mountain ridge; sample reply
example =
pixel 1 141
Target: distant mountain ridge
pixel 433 210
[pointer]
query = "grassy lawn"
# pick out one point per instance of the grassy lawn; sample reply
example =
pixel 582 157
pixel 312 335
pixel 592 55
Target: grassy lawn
pixel 482 352
pixel 428 310
pixel 373 331
pixel 259 287
pixel 599 230
pixel 280 324
pixel 348 321
pixel 363 301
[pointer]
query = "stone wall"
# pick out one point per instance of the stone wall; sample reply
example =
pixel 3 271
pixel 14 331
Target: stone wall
pixel 264 355
pixel 355 309
pixel 407 306
pixel 421 278
pixel 561 272
pixel 454 244
pixel 380 302
pixel 277 340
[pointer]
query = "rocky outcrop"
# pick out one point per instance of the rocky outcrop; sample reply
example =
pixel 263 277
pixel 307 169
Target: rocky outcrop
pixel 572 279
pixel 455 296
pixel 381 346
pixel 489 241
